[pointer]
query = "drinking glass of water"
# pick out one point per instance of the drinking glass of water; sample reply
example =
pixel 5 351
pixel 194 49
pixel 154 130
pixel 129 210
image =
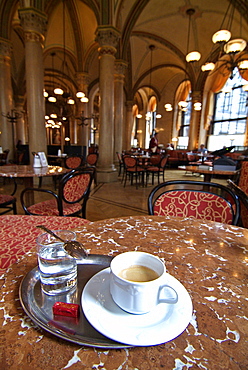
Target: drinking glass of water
pixel 58 270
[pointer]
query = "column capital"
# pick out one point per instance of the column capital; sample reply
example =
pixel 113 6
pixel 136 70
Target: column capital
pixel 5 49
pixel 82 78
pixel 129 104
pixel 196 96
pixel 34 24
pixel 120 67
pixel 108 38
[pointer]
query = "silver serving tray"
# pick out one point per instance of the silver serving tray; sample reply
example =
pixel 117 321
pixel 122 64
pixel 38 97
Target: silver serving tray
pixel 38 306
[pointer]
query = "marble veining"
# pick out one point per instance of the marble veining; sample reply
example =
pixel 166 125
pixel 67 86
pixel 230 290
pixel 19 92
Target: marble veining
pixel 210 260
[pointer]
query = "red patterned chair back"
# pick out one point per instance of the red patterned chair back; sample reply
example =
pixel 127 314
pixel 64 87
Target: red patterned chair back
pixel 243 198
pixel 91 159
pixel 155 160
pixel 163 162
pixel 75 186
pixel 74 161
pixel 195 199
pixel 191 157
pixel 129 162
pixel 243 179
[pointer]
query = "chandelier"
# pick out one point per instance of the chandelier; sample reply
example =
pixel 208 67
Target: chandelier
pixel 59 90
pixel 230 52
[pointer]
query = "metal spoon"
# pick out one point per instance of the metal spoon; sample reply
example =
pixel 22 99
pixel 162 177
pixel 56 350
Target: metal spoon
pixel 72 247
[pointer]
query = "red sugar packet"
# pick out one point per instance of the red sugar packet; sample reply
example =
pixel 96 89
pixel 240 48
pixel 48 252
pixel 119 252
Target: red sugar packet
pixel 66 309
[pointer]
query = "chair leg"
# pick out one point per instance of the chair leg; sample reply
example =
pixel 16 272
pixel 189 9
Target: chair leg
pixel 14 208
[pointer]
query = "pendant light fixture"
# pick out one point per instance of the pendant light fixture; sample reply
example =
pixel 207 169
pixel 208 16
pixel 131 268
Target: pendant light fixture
pixel 231 52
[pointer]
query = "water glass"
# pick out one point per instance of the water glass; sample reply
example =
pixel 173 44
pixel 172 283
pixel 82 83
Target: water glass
pixel 58 270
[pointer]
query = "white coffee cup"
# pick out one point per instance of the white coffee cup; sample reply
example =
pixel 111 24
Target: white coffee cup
pixel 138 282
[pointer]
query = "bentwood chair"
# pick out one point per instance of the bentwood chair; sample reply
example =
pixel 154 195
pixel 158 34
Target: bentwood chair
pixel 207 201
pixel 71 200
pixel 4 157
pixel 119 157
pixel 91 161
pixel 132 169
pixel 243 199
pixel 8 202
pixel 156 168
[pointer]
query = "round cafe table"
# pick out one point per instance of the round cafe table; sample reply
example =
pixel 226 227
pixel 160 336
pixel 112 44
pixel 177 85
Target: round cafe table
pixel 28 173
pixel 208 172
pixel 209 259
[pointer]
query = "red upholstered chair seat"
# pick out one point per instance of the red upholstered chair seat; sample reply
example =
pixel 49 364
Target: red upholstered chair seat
pixel 7 204
pixel 4 198
pixel 50 208
pixel 200 205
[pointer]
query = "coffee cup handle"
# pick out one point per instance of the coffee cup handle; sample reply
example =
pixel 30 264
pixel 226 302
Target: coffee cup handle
pixel 169 299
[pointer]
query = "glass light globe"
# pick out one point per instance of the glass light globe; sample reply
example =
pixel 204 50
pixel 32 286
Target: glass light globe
pixel 52 99
pixel 243 64
pixel 221 36
pixel 58 91
pixel 209 66
pixel 182 104
pixel 193 56
pixel 235 46
pixel 80 94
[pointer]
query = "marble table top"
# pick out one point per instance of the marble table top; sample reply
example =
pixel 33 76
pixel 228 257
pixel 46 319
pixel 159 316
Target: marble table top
pixel 209 259
pixel 208 171
pixel 30 171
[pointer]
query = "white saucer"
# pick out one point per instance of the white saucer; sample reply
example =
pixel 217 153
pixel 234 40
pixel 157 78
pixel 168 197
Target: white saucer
pixel 164 323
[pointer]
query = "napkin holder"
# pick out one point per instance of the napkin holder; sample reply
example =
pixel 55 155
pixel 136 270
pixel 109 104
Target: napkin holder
pixel 40 160
pixel 37 162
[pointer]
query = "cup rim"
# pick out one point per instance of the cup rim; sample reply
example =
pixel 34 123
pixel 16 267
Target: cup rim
pixel 138 282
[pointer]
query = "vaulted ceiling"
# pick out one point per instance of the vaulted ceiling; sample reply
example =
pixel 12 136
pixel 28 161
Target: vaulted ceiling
pixel 162 23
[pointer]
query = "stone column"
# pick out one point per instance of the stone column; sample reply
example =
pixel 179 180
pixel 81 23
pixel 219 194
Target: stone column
pixel 20 123
pixel 82 109
pixel 108 38
pixel 6 100
pixel 194 122
pixel 34 25
pixel 119 78
pixel 129 124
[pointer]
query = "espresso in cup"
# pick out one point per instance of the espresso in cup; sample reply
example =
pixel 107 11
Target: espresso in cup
pixel 138 282
pixel 138 273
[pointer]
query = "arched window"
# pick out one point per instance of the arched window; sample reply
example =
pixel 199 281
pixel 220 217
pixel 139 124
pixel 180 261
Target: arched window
pixel 185 118
pixel 230 112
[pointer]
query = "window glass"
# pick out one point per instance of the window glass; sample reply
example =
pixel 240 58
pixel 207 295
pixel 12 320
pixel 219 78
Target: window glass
pixel 230 108
pixel 185 120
